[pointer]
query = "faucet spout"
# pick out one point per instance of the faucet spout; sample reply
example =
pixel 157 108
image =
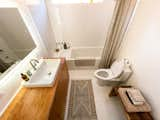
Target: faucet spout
pixel 33 63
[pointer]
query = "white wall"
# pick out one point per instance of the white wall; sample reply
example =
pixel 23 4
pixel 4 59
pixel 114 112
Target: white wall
pixel 84 25
pixel 40 16
pixel 142 47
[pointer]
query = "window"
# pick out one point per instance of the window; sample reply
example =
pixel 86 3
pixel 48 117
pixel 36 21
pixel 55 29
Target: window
pixel 75 1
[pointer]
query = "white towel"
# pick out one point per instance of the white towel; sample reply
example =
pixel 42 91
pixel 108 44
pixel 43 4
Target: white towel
pixel 136 96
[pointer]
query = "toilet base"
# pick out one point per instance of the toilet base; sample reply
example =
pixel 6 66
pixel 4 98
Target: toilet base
pixel 108 83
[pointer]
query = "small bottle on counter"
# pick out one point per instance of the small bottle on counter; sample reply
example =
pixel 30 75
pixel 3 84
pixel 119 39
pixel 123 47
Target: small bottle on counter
pixel 65 45
pixel 24 77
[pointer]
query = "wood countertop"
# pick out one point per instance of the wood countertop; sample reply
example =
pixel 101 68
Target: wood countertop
pixel 33 103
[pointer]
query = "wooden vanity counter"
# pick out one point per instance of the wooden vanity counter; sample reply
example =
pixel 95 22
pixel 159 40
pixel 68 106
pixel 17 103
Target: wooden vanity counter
pixel 41 103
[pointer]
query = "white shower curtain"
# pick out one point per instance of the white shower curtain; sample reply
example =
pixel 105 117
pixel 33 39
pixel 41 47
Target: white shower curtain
pixel 121 17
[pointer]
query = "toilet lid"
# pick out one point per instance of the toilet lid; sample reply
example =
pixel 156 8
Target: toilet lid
pixel 117 68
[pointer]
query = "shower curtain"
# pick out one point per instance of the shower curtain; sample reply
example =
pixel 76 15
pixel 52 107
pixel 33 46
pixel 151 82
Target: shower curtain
pixel 121 17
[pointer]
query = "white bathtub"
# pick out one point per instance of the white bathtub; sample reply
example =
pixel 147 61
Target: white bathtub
pixel 82 57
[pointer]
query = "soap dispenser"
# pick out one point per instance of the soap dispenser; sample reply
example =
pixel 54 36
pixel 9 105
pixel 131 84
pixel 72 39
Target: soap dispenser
pixel 24 77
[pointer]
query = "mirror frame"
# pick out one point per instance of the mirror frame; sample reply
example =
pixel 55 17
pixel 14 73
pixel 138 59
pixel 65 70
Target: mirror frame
pixel 38 51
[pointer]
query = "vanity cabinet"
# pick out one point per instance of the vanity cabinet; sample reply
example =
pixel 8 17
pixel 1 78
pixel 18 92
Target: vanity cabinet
pixel 57 111
pixel 46 103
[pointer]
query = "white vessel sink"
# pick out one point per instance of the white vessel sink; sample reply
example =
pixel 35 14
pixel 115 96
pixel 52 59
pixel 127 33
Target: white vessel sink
pixel 44 75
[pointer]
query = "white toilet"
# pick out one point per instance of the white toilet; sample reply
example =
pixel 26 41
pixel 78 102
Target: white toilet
pixel 119 73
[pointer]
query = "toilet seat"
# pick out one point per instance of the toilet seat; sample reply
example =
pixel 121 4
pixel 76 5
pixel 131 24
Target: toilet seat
pixel 100 74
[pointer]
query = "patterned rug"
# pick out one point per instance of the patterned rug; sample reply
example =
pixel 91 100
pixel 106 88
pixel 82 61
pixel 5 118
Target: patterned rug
pixel 81 104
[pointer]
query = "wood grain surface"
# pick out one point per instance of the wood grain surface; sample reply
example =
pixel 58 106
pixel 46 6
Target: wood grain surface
pixel 37 103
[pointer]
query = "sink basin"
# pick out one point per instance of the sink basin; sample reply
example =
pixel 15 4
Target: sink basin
pixel 44 75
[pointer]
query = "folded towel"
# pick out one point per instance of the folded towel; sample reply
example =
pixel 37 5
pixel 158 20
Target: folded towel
pixel 135 96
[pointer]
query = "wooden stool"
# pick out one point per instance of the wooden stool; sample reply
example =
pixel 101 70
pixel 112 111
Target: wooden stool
pixel 133 112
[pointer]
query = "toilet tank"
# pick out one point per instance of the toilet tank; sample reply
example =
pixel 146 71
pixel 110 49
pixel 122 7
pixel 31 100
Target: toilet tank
pixel 127 72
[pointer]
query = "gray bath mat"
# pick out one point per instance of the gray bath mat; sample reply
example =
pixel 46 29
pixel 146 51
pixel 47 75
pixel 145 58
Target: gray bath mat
pixel 81 103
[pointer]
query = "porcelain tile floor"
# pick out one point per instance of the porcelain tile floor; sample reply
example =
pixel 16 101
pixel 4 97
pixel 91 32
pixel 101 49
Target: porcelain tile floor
pixel 106 108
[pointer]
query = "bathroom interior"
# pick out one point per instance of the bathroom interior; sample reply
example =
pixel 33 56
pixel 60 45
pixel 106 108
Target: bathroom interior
pixel 79 60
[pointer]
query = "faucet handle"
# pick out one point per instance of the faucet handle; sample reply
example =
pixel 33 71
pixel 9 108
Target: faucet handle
pixel 29 73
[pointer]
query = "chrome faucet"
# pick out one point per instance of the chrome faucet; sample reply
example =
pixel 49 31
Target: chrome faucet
pixel 33 63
